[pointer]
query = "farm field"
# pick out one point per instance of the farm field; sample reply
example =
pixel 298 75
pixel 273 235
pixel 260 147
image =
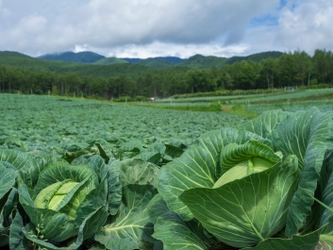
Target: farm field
pixel 65 124
pixel 88 174
pixel 291 101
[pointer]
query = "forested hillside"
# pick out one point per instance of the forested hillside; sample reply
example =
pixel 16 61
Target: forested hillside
pixel 30 75
pixel 81 57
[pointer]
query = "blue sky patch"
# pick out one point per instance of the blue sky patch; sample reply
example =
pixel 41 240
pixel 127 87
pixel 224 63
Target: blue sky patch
pixel 265 20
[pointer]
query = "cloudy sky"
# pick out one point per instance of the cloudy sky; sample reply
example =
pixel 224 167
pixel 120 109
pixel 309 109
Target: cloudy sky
pixel 149 28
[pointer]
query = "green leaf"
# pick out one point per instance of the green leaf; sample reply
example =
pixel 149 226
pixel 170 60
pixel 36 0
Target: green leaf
pixel 95 200
pixel 264 124
pixel 173 151
pixel 149 156
pixel 16 237
pixel 322 209
pixel 17 158
pixel 102 152
pixel 157 207
pixel 134 146
pixel 137 171
pixel 249 210
pixel 198 167
pixel 7 180
pixel 31 234
pixel 306 134
pixel 109 171
pixel 10 205
pixel 29 167
pixel 297 242
pixel 177 234
pixel 131 228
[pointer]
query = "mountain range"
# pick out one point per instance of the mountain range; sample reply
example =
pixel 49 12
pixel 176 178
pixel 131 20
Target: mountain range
pixel 91 64
pixel 196 61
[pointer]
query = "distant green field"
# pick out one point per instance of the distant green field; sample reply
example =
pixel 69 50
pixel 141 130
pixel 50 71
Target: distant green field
pixel 322 98
pixel 61 125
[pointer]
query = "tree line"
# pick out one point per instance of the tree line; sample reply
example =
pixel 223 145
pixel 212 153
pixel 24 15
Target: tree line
pixel 291 69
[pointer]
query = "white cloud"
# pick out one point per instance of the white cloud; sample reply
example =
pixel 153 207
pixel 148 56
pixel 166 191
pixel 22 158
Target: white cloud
pixel 307 26
pixel 156 49
pixel 304 25
pixel 105 24
pixel 144 28
pixel 33 24
pixel 187 21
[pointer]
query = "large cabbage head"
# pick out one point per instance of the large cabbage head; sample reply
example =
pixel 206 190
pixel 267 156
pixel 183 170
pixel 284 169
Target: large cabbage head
pixel 67 201
pixel 234 184
pixel 65 195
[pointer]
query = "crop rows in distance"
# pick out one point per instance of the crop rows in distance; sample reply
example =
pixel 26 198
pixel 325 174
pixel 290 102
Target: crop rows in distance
pixel 62 125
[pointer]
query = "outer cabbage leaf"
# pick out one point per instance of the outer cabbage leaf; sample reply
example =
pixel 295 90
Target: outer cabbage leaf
pixel 7 181
pixel 198 167
pixel 178 234
pixel 307 134
pixel 6 215
pixel 109 171
pixel 157 207
pixel 131 229
pixel 28 166
pixel 31 234
pixel 16 238
pixel 324 193
pixel 246 211
pixel 175 233
pixel 8 199
pixel 160 153
pixel 137 171
pixel 264 124
pixel 297 242
pixel 322 210
pixel 17 158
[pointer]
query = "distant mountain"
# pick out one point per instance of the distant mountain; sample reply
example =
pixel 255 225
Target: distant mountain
pixel 156 62
pixel 194 62
pixel 107 67
pixel 172 59
pixel 131 60
pixel 80 57
pixel 114 67
pixel 255 57
pixel 15 59
pixel 199 61
pixel 110 61
pixel 24 62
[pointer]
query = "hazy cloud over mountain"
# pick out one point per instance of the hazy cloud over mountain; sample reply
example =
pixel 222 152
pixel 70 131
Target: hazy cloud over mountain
pixel 144 28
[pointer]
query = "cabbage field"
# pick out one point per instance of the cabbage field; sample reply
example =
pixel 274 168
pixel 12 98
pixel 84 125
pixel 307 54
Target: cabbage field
pixel 87 174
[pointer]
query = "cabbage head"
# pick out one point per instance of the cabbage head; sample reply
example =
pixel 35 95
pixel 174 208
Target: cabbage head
pixel 68 205
pixel 247 190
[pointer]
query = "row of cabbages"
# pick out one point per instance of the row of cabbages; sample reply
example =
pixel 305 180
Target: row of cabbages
pixel 267 184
